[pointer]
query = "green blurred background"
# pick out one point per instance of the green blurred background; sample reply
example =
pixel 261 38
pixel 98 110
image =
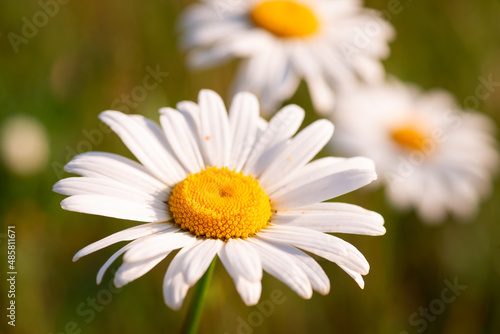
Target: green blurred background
pixel 90 53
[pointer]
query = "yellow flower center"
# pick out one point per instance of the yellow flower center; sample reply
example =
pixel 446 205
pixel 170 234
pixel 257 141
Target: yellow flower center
pixel 285 18
pixel 409 137
pixel 221 204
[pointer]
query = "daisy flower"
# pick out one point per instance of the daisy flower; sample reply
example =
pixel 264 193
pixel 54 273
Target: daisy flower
pixel 331 44
pixel 232 186
pixel 430 154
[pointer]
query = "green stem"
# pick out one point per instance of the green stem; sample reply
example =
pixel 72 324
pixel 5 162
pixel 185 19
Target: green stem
pixel 193 317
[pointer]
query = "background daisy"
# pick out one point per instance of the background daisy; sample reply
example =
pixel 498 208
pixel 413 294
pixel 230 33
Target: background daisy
pixel 430 154
pixel 235 187
pixel 329 44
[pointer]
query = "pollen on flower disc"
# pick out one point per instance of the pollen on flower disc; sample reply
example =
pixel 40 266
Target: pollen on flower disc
pixel 221 204
pixel 285 18
pixel 409 137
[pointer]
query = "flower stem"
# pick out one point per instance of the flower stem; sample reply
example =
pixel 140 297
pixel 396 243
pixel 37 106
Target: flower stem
pixel 193 317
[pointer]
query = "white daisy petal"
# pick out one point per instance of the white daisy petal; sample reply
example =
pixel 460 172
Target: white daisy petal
pixel 241 259
pixel 261 125
pixel 281 127
pixel 215 134
pixel 280 265
pixel 124 235
pixel 334 218
pixel 371 71
pixel 251 76
pixel 301 149
pixel 284 78
pixel 245 42
pixel 144 143
pixel 199 14
pixel 321 93
pixel 159 134
pixel 316 274
pixel 431 207
pixel 301 237
pixel 355 275
pixel 466 197
pixel 324 245
pixel 278 79
pixel 108 206
pixel 203 59
pixel 174 290
pixel 249 291
pixel 319 169
pixel 175 287
pixel 327 187
pixel 210 34
pixel 243 118
pixel 129 272
pixel 181 139
pixel 109 262
pixel 101 186
pixel 191 113
pixel 160 243
pixel 243 264
pixel 322 167
pixel 118 168
pixel 197 260
pixel 333 64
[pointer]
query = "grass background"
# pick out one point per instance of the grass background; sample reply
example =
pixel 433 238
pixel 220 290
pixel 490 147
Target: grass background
pixel 90 53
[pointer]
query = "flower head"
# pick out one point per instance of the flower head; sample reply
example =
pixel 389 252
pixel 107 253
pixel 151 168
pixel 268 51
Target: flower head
pixel 329 44
pixel 232 186
pixel 430 154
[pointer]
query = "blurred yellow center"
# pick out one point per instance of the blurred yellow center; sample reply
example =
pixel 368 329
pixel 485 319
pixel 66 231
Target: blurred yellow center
pixel 220 204
pixel 285 18
pixel 409 137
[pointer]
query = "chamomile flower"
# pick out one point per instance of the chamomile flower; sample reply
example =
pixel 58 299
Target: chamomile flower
pixel 431 154
pixel 331 44
pixel 232 186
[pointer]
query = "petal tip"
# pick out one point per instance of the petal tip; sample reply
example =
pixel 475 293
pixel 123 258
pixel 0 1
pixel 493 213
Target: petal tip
pixel 382 230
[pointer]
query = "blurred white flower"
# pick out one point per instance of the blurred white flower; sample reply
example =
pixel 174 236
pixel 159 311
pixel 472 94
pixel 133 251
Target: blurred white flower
pixel 430 154
pixel 331 44
pixel 232 186
pixel 25 145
